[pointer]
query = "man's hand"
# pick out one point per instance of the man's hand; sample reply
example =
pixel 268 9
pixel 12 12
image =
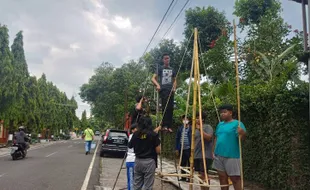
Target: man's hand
pixel 177 154
pixel 157 129
pixel 158 88
pixel 241 131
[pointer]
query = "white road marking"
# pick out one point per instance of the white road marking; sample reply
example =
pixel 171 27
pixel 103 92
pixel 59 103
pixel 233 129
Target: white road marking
pixel 70 146
pixel 50 154
pixel 2 175
pixel 86 180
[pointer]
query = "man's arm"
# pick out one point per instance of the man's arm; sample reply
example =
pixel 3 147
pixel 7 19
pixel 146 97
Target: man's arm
pixel 154 81
pixel 174 84
pixel 214 143
pixel 139 105
pixel 207 136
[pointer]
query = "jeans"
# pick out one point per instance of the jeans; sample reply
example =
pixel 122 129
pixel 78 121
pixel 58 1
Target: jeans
pixel 130 174
pixel 87 146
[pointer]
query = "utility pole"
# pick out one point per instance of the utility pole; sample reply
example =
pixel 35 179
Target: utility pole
pixel 306 39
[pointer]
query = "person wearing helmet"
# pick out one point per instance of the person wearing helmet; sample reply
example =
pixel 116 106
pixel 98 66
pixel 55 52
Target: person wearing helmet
pixel 21 138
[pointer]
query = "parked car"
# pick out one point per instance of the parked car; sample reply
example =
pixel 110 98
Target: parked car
pixel 114 141
pixel 97 133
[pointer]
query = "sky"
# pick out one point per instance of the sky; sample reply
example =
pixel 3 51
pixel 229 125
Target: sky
pixel 68 39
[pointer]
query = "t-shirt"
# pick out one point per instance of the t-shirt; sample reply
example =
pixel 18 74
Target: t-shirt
pixel 144 144
pixel 20 137
pixel 89 133
pixel 166 76
pixel 130 152
pixel 187 144
pixel 227 141
pixel 208 144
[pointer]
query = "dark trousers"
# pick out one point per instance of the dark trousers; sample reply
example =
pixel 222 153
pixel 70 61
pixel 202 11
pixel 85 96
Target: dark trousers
pixel 185 160
pixel 168 113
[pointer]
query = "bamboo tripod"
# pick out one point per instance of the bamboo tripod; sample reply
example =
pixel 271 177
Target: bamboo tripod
pixel 189 172
pixel 197 92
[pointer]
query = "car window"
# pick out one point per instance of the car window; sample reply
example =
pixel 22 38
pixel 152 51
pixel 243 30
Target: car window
pixel 117 134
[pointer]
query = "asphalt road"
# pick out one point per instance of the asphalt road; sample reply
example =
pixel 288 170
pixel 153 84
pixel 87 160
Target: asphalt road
pixel 59 166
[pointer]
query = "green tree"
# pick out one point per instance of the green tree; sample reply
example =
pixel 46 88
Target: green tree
pixel 8 86
pixel 252 11
pixel 210 22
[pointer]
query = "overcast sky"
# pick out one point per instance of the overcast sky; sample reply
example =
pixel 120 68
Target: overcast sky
pixel 67 39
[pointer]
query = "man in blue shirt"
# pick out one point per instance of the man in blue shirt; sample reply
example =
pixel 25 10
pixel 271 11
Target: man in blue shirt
pixel 227 153
pixel 184 131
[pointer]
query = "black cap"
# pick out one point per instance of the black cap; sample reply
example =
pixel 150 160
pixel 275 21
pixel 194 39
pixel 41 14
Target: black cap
pixel 228 107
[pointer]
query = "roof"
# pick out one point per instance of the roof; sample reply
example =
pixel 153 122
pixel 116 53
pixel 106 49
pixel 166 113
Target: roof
pixel 299 1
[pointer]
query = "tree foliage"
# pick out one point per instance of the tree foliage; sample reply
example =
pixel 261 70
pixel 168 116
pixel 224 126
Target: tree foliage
pixel 24 99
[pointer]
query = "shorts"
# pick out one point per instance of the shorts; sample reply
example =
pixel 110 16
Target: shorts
pixel 198 164
pixel 229 165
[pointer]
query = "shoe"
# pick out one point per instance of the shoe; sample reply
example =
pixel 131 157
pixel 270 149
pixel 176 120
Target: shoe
pixel 170 130
pixel 182 179
pixel 86 152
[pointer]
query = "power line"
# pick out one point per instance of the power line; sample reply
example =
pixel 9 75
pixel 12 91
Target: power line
pixel 176 18
pixel 176 2
pixel 158 27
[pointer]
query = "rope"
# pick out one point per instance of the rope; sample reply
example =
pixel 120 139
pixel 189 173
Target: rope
pixel 186 111
pixel 211 92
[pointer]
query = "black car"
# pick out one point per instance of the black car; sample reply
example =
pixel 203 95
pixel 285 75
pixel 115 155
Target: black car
pixel 114 141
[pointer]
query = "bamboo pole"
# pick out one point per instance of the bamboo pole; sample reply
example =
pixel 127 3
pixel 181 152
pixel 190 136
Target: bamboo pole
pixel 238 101
pixel 200 122
pixel 194 108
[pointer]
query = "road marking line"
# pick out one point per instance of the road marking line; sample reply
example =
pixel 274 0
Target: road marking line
pixel 85 183
pixel 50 154
pixel 70 146
pixel 2 175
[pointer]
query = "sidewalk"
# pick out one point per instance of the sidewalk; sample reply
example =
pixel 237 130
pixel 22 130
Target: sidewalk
pixel 109 168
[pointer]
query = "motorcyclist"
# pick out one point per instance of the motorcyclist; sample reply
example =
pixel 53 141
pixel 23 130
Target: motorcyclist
pixel 21 139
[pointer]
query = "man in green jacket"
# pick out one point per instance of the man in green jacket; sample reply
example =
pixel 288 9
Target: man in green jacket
pixel 88 137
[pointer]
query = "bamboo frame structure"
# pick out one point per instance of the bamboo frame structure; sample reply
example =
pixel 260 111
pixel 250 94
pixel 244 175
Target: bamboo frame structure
pixel 238 101
pixel 195 55
pixel 197 91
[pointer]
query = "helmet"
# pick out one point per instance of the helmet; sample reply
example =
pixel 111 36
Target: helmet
pixel 21 128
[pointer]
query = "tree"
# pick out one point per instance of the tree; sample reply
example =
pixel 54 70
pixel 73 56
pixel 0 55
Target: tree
pixel 7 84
pixel 84 122
pixel 210 24
pixel 252 11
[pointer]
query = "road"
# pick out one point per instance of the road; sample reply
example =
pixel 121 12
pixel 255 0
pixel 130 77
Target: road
pixel 62 165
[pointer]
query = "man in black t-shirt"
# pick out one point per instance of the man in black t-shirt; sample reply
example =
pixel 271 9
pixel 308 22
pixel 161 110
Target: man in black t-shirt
pixel 166 86
pixel 146 145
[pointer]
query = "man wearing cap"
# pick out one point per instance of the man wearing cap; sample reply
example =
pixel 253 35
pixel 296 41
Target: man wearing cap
pixel 226 151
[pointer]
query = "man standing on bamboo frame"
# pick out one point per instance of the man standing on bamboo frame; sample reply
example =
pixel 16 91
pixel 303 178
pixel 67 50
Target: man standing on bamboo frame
pixel 166 88
pixel 227 151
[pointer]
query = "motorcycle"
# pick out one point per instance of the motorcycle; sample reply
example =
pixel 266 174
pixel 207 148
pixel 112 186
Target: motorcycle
pixel 16 151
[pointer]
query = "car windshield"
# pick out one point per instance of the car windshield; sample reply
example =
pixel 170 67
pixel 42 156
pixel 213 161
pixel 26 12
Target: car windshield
pixel 118 134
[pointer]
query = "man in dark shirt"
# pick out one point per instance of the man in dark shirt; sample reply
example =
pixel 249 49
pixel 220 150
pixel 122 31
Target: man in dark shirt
pixel 166 87
pixel 21 138
pixel 146 145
